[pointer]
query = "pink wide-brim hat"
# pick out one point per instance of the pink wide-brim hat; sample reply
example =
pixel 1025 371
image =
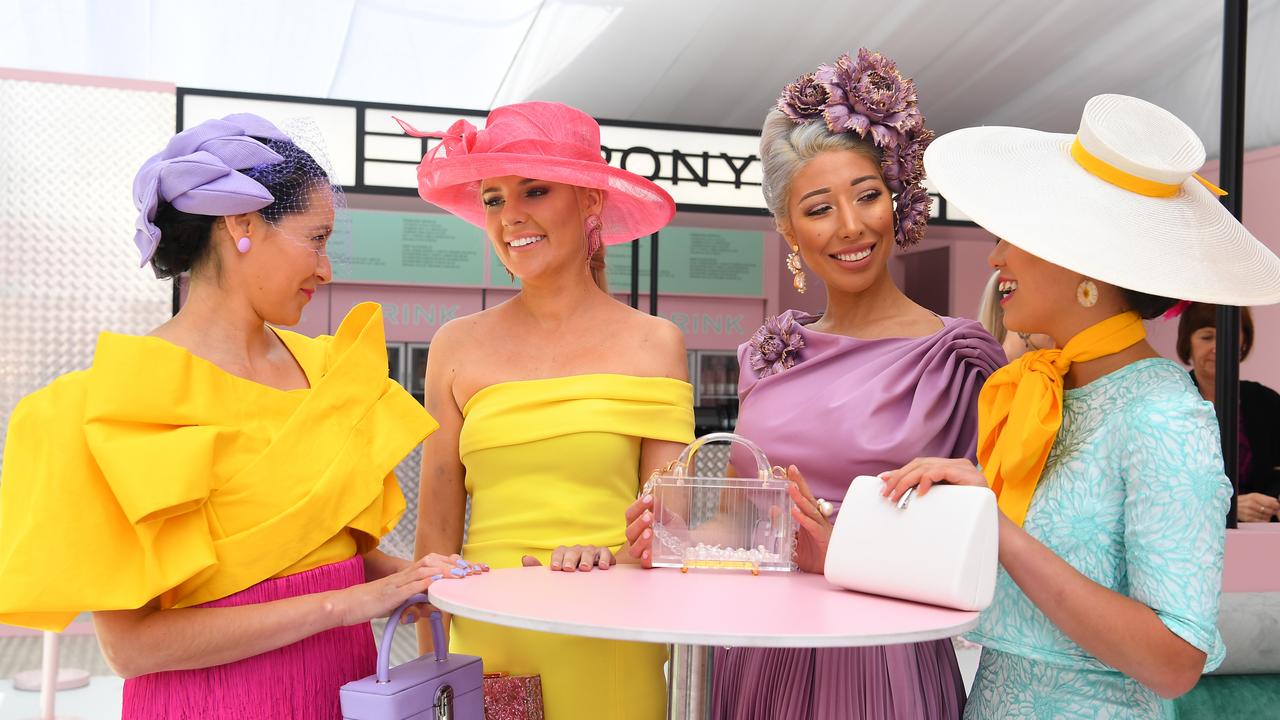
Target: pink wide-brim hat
pixel 544 141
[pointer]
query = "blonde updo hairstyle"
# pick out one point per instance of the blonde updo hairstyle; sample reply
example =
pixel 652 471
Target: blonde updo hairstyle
pixel 785 147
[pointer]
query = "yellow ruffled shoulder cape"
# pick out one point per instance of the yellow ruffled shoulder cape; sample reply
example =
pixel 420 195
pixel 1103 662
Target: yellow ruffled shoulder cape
pixel 156 474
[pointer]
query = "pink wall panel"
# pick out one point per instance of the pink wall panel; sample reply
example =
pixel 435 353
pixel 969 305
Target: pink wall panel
pixel 1249 565
pixel 709 323
pixel 1262 217
pixel 411 314
pixel 712 323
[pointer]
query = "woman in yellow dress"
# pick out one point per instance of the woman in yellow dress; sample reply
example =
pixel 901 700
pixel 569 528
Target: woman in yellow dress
pixel 214 492
pixel 554 404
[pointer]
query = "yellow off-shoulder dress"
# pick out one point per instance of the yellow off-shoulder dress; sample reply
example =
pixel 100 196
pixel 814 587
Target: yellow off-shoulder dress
pixel 556 462
pixel 155 474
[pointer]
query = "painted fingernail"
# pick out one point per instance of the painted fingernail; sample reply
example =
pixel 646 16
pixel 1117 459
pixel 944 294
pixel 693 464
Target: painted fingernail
pixel 645 555
pixel 555 566
pixel 646 533
pixel 461 563
pixel 648 516
pixel 648 499
pixel 484 565
pixel 458 572
pixel 437 577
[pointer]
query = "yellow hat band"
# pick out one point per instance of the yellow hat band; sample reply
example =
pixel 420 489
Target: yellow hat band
pixel 1128 181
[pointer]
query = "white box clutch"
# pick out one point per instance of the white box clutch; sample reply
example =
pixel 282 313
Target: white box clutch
pixel 939 549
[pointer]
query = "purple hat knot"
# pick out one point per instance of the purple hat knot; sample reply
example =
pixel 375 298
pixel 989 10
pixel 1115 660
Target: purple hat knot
pixel 198 172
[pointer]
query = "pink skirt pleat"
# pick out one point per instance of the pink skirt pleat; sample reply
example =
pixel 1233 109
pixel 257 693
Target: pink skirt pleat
pixel 919 681
pixel 295 682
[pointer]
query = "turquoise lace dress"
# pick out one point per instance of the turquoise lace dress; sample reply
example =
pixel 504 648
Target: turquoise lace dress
pixel 1134 497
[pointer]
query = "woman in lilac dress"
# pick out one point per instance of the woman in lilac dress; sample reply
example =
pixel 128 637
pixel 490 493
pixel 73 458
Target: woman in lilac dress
pixel 871 383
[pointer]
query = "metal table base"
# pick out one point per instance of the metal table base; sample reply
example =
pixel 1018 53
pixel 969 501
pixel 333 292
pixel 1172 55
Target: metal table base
pixel 689 685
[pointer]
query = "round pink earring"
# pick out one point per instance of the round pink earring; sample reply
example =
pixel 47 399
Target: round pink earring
pixel 593 227
pixel 243 245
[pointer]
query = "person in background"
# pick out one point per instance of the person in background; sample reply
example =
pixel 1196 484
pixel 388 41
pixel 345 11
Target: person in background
pixel 1259 410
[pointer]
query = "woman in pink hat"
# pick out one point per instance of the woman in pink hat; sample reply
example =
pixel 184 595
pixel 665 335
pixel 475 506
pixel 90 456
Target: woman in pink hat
pixel 554 404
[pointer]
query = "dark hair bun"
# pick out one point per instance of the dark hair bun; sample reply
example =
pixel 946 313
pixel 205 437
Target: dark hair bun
pixel 184 240
pixel 1149 307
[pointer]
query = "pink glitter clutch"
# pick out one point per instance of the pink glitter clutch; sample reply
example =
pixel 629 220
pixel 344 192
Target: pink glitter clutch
pixel 512 697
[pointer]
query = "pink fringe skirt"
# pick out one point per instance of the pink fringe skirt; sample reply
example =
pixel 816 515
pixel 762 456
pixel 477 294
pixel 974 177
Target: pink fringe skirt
pixel 295 682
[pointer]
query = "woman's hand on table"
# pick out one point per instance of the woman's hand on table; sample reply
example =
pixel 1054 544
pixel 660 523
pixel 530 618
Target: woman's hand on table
pixel 814 535
pixel 1256 507
pixel 924 473
pixel 639 546
pixel 379 598
pixel 575 558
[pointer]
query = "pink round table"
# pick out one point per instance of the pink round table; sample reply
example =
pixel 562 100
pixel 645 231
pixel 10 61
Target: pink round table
pixel 693 612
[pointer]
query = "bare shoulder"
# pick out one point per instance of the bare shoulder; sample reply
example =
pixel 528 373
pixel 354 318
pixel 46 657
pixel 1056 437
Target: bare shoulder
pixel 654 342
pixel 464 334
pixel 920 321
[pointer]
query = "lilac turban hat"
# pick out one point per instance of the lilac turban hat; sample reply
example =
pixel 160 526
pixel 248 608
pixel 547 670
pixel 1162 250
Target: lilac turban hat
pixel 198 173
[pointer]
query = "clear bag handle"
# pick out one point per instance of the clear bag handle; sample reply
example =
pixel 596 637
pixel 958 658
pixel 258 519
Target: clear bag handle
pixel 684 464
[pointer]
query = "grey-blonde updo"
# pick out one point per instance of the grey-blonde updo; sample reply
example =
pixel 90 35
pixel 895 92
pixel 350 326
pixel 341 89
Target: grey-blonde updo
pixel 861 104
pixel 785 147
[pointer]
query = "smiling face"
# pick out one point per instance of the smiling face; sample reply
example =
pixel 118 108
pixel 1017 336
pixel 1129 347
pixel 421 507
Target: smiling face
pixel 1038 296
pixel 840 216
pixel 1032 291
pixel 537 226
pixel 287 259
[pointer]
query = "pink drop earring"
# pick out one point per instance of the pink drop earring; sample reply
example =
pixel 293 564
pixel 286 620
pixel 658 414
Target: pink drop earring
pixel 593 227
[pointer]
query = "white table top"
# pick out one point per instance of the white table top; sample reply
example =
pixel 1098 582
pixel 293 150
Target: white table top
pixel 697 608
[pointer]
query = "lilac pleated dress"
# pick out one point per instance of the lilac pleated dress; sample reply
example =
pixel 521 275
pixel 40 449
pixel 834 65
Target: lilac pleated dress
pixel 849 407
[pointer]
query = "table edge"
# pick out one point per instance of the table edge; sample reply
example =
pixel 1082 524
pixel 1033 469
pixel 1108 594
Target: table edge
pixel 710 640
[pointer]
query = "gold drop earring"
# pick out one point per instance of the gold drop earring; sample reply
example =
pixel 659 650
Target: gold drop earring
pixel 797 273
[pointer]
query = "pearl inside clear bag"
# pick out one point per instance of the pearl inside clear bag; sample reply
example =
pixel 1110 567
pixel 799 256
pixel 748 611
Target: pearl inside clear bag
pixel 706 520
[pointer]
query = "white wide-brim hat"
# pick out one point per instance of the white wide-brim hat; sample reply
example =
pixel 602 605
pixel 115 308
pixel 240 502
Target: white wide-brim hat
pixel 1152 225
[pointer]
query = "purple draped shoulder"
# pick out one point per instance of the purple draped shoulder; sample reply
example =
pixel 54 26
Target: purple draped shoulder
pixel 850 407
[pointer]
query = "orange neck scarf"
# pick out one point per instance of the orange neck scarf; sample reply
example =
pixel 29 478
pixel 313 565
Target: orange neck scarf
pixel 1020 409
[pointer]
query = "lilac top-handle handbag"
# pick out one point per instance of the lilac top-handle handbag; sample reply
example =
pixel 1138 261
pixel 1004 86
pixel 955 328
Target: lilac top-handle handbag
pixel 433 687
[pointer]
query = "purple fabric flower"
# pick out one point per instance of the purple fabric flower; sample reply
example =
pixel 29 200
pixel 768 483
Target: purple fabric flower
pixel 903 164
pixel 803 99
pixel 775 346
pixel 869 96
pixel 912 213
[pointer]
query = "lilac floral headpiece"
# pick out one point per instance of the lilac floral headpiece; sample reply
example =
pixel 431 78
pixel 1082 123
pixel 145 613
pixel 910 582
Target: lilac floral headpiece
pixel 198 172
pixel 869 97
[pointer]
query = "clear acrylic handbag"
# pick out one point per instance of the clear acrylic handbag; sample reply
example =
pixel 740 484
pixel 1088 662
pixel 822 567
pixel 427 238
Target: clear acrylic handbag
pixel 715 522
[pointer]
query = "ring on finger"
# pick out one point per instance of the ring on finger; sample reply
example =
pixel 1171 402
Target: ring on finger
pixel 825 507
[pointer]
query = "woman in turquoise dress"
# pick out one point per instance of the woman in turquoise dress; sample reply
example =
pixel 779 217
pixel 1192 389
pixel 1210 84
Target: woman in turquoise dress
pixel 1105 460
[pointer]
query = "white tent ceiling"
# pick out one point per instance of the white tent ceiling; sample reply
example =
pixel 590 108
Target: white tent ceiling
pixel 706 62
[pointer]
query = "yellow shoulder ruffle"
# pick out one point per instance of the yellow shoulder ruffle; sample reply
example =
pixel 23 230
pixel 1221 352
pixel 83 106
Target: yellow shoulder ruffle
pixel 156 474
